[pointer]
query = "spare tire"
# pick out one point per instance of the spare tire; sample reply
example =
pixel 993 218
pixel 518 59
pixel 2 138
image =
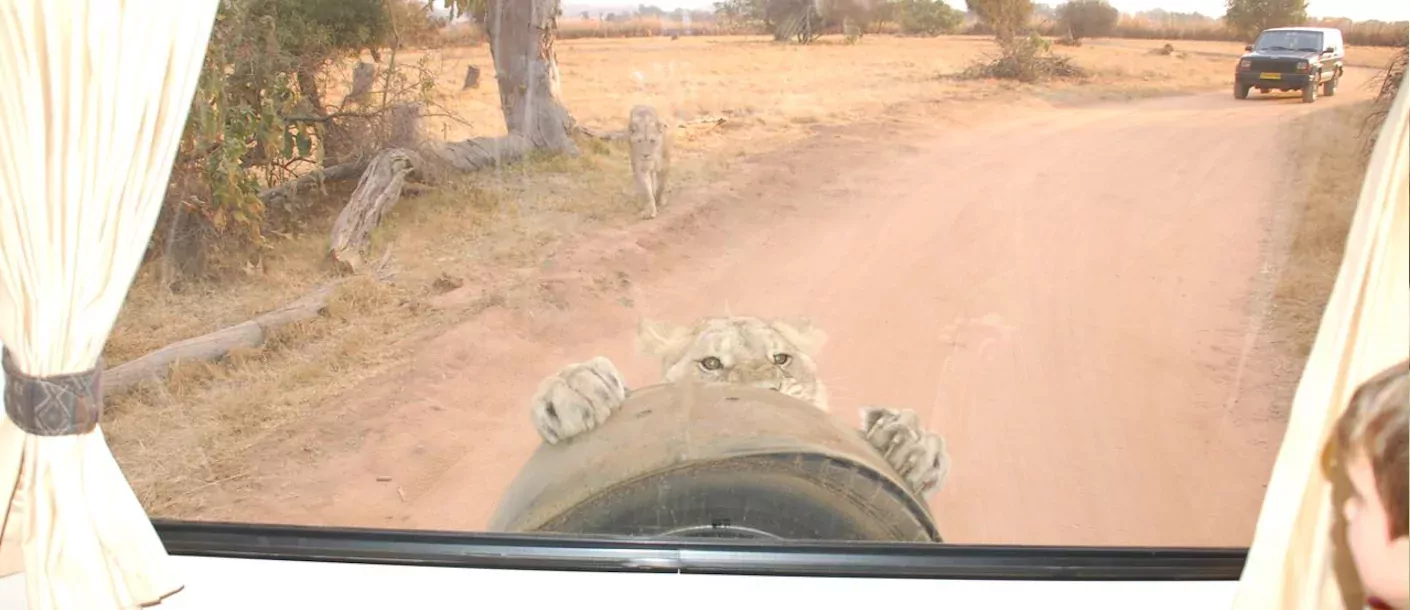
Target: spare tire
pixel 718 460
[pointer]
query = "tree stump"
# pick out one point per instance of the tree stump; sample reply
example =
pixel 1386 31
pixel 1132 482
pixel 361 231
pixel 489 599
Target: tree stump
pixel 472 78
pixel 403 126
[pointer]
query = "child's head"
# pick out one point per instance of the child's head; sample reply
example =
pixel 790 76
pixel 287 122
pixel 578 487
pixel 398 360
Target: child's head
pixel 1372 442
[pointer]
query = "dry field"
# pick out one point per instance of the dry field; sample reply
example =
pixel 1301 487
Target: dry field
pixel 182 440
pixel 772 94
pixel 1362 57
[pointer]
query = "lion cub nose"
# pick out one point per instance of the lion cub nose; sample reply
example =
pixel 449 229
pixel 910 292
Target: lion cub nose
pixel 776 386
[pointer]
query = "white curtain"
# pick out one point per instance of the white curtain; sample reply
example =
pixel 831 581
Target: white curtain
pixel 1295 562
pixel 93 98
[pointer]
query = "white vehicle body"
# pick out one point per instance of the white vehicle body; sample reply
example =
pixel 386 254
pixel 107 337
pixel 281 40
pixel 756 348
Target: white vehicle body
pixel 220 583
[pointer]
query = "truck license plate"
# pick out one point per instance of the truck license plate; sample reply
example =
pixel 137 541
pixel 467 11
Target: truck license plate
pixel 1270 76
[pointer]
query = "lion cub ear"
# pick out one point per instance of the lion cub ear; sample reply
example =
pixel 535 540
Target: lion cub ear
pixel 666 342
pixel 802 334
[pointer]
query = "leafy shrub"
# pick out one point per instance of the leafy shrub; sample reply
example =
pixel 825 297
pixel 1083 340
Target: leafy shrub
pixel 259 115
pixel 1087 18
pixel 926 17
pixel 1004 17
pixel 1249 17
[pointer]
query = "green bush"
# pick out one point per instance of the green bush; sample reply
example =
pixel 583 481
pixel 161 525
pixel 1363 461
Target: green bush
pixel 1005 18
pixel 259 114
pixel 926 17
pixel 1087 18
pixel 1249 17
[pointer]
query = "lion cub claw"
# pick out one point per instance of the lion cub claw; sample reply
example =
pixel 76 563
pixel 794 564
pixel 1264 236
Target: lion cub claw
pixel 577 399
pixel 918 455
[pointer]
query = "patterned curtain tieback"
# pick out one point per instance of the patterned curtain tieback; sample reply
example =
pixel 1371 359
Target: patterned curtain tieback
pixel 61 405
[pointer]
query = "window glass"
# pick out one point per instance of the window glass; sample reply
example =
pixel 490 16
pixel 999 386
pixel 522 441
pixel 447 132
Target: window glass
pixel 987 272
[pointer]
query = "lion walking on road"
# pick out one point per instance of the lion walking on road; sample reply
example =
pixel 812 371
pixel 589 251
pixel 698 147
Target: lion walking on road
pixel 649 142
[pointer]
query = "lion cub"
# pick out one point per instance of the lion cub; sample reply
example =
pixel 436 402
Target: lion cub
pixel 649 141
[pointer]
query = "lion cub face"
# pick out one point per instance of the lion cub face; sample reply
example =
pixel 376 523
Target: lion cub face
pixel 742 350
pixel 645 136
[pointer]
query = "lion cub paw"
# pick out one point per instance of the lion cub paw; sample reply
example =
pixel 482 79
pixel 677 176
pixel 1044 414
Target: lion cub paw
pixel 917 455
pixel 577 399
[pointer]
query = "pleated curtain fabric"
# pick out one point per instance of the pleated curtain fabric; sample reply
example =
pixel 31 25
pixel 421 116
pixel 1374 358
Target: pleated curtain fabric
pixel 94 95
pixel 1295 562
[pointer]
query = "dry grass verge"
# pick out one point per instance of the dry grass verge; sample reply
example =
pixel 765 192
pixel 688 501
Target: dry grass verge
pixel 1334 167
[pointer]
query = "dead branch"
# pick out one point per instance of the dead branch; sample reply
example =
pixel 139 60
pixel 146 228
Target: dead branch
pixel 290 189
pixel 325 118
pixel 214 346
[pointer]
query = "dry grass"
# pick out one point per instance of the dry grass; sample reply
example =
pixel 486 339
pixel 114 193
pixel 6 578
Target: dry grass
pixel 196 430
pixel 772 86
pixel 1334 167
pixel 1359 56
pixel 637 27
pixel 1364 33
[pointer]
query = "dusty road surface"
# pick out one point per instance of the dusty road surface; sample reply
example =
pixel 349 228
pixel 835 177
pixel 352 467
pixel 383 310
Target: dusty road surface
pixel 1072 296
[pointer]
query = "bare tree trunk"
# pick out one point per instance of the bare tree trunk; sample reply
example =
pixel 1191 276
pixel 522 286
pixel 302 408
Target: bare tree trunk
pixel 307 78
pixel 521 40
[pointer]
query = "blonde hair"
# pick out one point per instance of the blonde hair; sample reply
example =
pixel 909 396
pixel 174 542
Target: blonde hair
pixel 1378 422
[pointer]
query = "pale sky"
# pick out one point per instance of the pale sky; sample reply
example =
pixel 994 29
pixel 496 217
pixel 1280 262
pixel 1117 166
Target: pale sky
pixel 1385 10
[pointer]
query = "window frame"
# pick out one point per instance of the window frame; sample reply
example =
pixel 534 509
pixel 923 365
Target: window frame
pixel 697 556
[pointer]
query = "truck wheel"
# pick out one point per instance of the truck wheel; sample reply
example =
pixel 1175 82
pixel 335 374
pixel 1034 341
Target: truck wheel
pixel 715 461
pixel 1329 88
pixel 1241 91
pixel 1309 92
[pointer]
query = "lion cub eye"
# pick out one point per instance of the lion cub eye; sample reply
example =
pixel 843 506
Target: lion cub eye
pixel 782 359
pixel 711 363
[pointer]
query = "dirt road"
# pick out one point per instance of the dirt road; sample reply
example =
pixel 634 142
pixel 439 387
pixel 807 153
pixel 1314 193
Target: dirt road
pixel 1073 298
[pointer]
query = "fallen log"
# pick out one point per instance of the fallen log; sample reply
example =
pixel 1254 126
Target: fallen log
pixel 210 347
pixel 387 176
pixel 476 154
